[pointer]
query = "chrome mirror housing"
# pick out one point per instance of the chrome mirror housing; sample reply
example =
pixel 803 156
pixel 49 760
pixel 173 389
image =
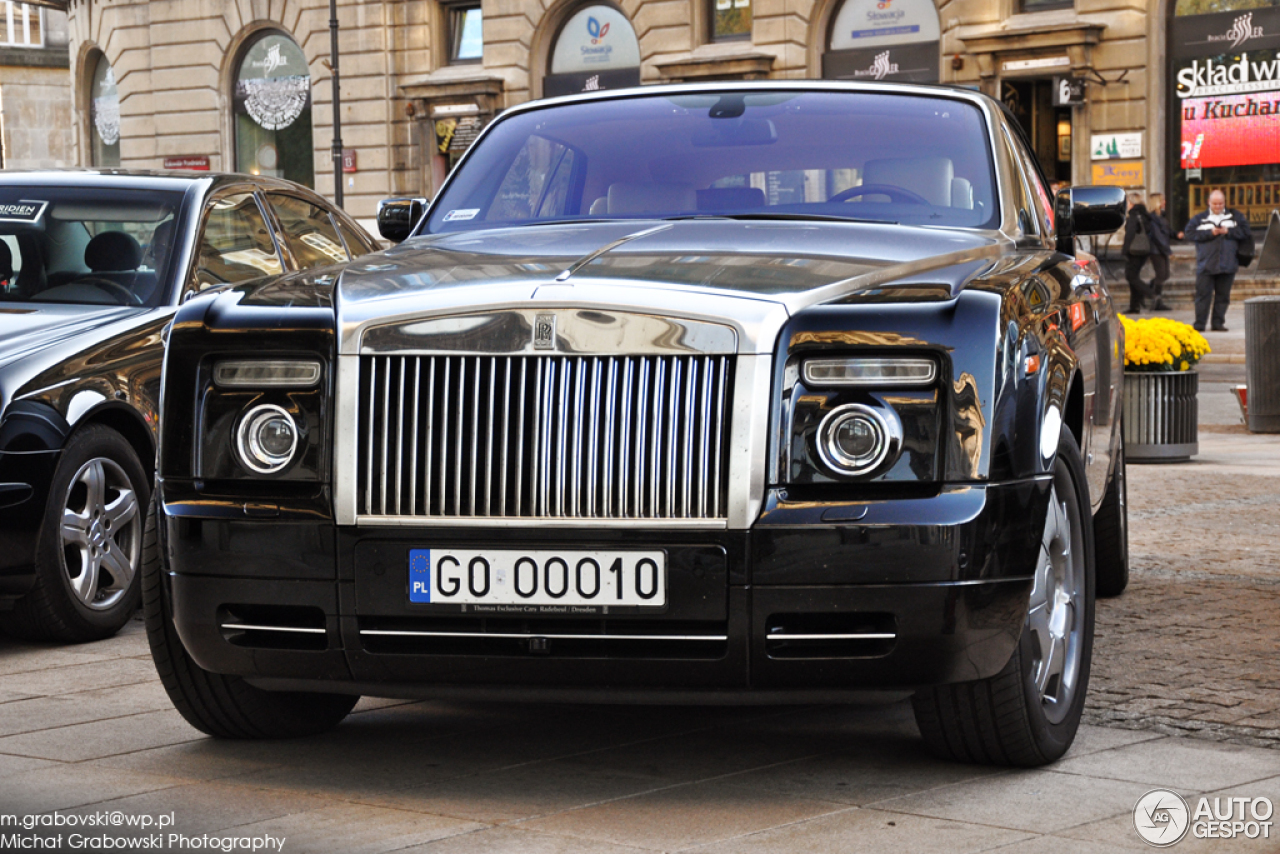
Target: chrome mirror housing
pixel 397 217
pixel 1086 210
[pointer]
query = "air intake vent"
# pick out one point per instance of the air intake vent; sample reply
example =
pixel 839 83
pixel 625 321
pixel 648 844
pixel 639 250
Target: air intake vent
pixel 553 638
pixel 273 627
pixel 456 437
pixel 830 635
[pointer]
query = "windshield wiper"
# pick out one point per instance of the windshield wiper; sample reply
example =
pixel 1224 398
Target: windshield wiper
pixel 786 216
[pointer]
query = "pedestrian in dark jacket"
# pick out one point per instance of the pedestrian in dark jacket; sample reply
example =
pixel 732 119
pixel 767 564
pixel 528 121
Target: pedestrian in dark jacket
pixel 1136 249
pixel 1161 240
pixel 1217 234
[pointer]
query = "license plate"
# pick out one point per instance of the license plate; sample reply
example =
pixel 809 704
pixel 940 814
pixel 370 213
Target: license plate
pixel 572 579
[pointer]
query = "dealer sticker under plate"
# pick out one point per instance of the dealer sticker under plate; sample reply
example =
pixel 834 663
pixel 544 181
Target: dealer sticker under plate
pixel 539 579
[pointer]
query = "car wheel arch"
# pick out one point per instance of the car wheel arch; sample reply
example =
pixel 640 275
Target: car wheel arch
pixel 130 424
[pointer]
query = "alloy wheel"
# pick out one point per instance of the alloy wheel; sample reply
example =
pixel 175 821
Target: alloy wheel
pixel 1056 616
pixel 101 531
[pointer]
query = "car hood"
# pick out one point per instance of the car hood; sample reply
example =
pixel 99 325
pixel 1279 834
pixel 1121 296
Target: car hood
pixel 743 270
pixel 26 328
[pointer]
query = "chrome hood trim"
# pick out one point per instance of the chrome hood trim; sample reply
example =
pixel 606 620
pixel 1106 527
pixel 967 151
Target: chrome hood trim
pixel 747 276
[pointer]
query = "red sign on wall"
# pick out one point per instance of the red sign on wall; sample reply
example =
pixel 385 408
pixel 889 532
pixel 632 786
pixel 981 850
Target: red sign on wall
pixel 198 162
pixel 349 163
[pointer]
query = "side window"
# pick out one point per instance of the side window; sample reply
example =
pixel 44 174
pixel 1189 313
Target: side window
pixel 1041 200
pixel 357 244
pixel 537 184
pixel 1027 218
pixel 309 232
pixel 236 245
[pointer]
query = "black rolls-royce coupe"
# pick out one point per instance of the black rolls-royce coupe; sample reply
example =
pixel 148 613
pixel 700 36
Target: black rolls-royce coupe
pixel 92 267
pixel 735 392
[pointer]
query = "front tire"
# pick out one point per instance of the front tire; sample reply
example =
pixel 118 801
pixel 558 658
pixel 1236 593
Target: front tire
pixel 1028 713
pixel 90 544
pixel 218 705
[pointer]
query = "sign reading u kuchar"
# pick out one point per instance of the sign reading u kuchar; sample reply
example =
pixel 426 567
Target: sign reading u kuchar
pixel 1115 146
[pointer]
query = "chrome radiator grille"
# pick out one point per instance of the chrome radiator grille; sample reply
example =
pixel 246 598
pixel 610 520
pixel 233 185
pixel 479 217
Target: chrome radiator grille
pixel 640 437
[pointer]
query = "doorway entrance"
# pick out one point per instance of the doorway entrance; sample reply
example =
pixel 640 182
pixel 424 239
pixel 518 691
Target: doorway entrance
pixel 1048 127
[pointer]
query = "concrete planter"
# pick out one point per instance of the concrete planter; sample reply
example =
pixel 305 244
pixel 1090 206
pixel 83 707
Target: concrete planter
pixel 1160 416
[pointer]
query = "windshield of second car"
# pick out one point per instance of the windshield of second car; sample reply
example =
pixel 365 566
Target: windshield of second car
pixel 85 246
pixel 864 156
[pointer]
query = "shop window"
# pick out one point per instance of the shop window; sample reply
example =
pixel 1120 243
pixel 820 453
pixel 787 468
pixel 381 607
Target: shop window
pixel 730 19
pixel 464 23
pixel 104 115
pixel 896 40
pixel 22 26
pixel 272 110
pixel 596 48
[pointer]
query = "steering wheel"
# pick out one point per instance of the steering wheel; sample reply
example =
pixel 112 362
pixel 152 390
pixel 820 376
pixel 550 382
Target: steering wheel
pixel 117 290
pixel 893 191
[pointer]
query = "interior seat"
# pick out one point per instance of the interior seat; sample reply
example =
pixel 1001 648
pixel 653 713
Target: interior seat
pixel 730 198
pixel 929 177
pixel 629 198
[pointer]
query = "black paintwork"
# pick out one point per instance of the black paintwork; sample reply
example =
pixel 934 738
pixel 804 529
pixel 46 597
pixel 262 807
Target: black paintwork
pixel 939 546
pixel 63 366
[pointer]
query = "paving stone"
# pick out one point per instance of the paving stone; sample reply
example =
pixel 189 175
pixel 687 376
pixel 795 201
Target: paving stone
pixel 1023 800
pixel 102 738
pixel 500 840
pixel 354 829
pixel 683 816
pixel 863 831
pixel 71 678
pixel 61 786
pixel 1177 763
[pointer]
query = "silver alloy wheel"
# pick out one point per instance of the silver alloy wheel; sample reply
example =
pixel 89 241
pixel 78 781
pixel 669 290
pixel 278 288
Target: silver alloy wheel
pixel 101 533
pixel 1056 615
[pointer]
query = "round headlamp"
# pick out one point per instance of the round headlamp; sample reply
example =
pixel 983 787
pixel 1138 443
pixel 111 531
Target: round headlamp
pixel 856 440
pixel 266 439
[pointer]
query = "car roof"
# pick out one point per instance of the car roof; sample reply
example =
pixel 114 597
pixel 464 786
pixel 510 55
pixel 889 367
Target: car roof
pixel 936 90
pixel 144 179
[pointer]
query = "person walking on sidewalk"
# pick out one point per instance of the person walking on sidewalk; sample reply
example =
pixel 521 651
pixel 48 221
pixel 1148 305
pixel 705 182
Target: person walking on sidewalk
pixel 1217 234
pixel 1161 238
pixel 1136 249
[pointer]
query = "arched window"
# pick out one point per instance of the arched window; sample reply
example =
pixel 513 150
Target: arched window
pixel 104 114
pixel 596 48
pixel 883 40
pixel 272 110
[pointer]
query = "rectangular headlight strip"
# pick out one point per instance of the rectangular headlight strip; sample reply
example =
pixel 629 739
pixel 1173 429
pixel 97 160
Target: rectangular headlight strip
pixel 267 373
pixel 865 371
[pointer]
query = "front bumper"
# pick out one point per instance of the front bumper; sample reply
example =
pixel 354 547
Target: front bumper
pixel 905 592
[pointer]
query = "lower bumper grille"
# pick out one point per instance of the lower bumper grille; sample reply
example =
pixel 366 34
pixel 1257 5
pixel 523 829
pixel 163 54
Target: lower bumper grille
pixel 554 638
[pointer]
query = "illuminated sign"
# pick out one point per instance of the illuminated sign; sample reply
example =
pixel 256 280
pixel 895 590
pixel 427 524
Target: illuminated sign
pixel 1233 130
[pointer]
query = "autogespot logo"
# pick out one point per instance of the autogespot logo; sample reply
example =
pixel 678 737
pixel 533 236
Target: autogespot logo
pixel 1161 817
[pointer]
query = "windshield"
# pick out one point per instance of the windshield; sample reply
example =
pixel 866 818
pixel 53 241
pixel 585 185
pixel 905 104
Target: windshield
pixel 86 246
pixel 862 156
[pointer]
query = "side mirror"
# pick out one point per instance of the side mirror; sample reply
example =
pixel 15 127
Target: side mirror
pixel 1087 210
pixel 397 217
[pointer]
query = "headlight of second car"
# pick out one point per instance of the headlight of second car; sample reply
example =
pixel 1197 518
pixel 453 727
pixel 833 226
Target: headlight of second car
pixel 262 418
pixel 862 418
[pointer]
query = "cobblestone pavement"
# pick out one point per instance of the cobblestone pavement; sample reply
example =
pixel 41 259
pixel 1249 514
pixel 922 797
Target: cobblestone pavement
pixel 1192 646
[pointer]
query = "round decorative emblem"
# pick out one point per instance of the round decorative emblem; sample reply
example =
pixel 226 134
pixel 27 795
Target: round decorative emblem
pixel 275 102
pixel 106 119
pixel 1161 817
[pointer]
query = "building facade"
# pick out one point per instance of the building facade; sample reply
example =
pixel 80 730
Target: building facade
pixel 35 92
pixel 245 84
